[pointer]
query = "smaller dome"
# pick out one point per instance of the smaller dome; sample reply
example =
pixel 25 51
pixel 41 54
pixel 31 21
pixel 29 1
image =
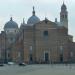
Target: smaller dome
pixel 33 19
pixel 11 24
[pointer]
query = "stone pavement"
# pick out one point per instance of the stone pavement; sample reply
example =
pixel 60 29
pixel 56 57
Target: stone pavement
pixel 38 70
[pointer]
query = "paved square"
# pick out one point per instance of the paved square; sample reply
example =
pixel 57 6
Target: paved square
pixel 38 70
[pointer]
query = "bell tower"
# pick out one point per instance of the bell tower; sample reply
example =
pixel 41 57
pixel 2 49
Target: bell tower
pixel 64 16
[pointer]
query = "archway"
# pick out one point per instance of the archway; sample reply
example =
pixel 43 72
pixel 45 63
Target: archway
pixel 46 57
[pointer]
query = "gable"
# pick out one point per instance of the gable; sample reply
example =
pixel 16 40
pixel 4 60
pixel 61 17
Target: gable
pixel 46 25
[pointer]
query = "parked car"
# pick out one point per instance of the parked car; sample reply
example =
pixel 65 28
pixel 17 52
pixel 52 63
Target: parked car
pixel 11 63
pixel 22 64
pixel 1 64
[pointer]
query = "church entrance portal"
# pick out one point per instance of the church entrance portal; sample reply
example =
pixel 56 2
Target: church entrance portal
pixel 46 57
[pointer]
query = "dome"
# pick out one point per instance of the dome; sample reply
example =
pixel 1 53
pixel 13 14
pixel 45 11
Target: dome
pixel 33 19
pixel 11 24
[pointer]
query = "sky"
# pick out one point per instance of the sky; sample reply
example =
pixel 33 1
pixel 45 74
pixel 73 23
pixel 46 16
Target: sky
pixel 20 9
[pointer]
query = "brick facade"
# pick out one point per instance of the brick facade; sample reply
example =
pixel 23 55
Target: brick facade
pixel 36 44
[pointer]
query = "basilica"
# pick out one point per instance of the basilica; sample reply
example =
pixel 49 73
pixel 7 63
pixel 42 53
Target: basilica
pixel 37 41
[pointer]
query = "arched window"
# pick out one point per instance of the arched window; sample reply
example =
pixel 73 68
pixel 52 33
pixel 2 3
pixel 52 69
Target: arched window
pixel 45 33
pixel 65 16
pixel 30 49
pixel 62 16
